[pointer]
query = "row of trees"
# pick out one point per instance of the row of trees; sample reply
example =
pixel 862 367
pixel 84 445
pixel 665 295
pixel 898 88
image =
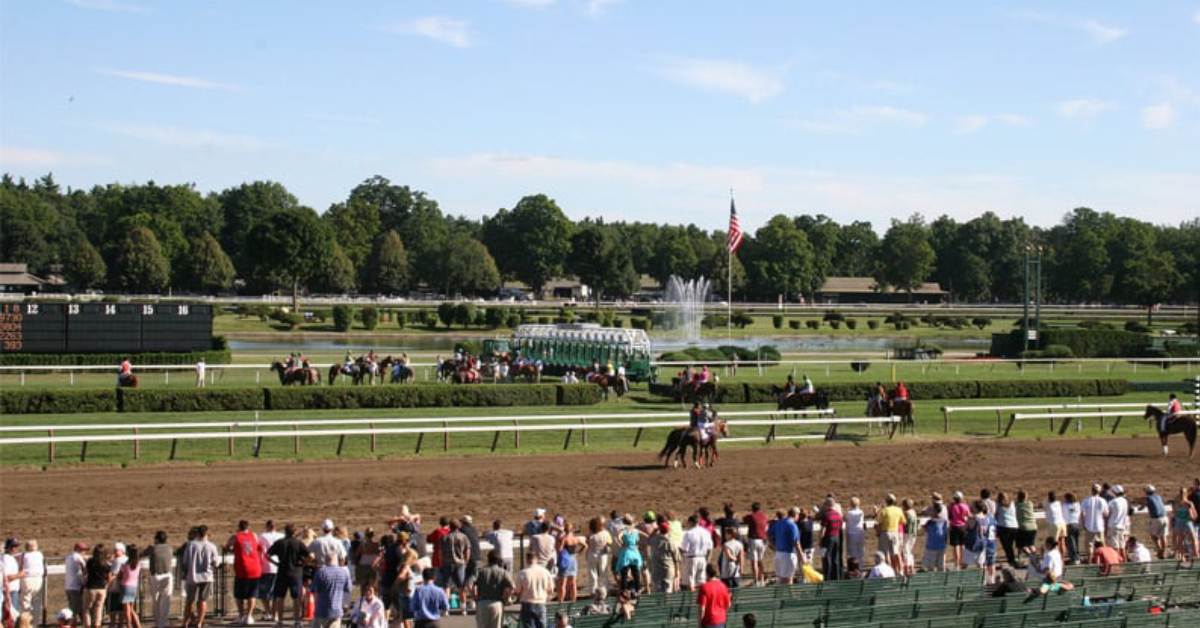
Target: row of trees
pixel 387 238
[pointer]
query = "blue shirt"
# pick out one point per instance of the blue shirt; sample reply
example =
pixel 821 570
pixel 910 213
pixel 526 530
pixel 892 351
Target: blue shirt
pixel 428 602
pixel 1154 504
pixel 331 585
pixel 785 535
pixel 935 534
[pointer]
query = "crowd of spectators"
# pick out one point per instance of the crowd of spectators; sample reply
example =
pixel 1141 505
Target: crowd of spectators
pixel 415 574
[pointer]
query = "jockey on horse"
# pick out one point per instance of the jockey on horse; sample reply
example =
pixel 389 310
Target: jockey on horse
pixel 877 403
pixel 700 419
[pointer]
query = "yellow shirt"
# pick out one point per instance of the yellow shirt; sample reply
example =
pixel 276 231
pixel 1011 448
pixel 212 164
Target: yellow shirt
pixel 889 519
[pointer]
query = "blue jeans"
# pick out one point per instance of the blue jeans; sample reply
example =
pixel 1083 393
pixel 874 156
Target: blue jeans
pixel 532 615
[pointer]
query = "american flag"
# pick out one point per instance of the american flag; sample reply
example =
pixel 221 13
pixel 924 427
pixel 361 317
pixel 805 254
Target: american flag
pixel 735 229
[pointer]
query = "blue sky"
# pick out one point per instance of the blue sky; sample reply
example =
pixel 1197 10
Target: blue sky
pixel 634 109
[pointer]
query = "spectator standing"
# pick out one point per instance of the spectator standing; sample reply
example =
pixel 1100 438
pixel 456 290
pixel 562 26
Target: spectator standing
pixel 713 599
pixel 912 525
pixel 74 575
pixel 568 565
pixel 128 578
pixel 831 540
pixel 1006 527
pixel 731 556
pixel 199 563
pixel 1117 526
pixel 756 540
pixel 888 522
pixel 364 557
pixel 1094 511
pixel 936 531
pixel 855 531
pixel 696 546
pixel 1072 513
pixel 330 586
pixel 599 555
pixel 543 546
pixel 162 578
pixel 456 552
pixel 1056 520
pixel 201 367
pixel 429 602
pixel 1027 525
pixel 1159 524
pixel 666 562
pixel 328 545
pixel 289 554
pixel 534 585
pixel 805 524
pixel 492 586
pixel 247 569
pixel 12 576
pixel 266 582
pixel 629 560
pixel 1184 528
pixel 406 576
pixel 33 578
pixel 785 542
pixel 435 541
pixel 960 514
pixel 98 573
pixel 502 540
pixel 467 528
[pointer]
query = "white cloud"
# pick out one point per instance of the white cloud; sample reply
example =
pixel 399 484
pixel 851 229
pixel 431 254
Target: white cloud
pixel 1083 108
pixel 109 5
pixel 1103 33
pixel 532 4
pixel 596 8
pixel 1099 32
pixel 753 84
pixel 1157 117
pixel 188 138
pixel 169 79
pixel 973 122
pixel 20 156
pixel 1196 16
pixel 446 30
pixel 860 118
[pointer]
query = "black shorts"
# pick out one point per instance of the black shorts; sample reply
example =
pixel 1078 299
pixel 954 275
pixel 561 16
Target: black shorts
pixel 284 584
pixel 1026 538
pixel 245 588
pixel 958 535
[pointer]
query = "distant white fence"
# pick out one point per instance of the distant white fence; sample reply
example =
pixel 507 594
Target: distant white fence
pixel 1078 418
pixel 1048 407
pixel 343 428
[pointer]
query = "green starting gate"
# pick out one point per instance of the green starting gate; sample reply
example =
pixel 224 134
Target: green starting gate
pixel 568 346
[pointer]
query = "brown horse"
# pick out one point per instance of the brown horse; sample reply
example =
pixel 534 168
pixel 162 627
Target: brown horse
pixel 1185 425
pixel 680 439
pixel 301 376
pixel 606 383
pixel 530 372
pixel 704 393
pixel 903 408
pixel 801 401
pixel 127 381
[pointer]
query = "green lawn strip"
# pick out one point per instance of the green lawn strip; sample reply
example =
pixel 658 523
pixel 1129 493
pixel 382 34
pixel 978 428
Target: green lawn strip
pixel 928 418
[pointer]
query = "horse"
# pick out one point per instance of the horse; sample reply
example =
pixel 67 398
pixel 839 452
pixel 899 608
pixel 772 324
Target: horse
pixel 299 376
pixel 358 371
pixel 528 370
pixel 903 408
pixel 801 401
pixel 401 374
pixel 704 393
pixel 465 376
pixel 682 438
pixel 446 370
pixel 607 383
pixel 127 381
pixel 1185 425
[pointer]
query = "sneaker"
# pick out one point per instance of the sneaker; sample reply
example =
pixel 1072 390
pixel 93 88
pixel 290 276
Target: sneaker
pixel 249 620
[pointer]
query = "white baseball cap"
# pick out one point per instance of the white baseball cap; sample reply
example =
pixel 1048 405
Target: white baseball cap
pixel 327 525
pixel 539 512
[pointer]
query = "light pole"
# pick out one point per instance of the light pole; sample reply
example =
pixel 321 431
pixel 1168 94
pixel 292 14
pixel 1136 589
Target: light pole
pixel 1031 334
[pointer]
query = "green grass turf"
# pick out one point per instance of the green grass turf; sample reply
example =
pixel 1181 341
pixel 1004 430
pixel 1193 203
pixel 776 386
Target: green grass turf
pixel 929 421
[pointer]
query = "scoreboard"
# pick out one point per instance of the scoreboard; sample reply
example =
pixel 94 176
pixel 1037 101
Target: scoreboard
pixel 104 327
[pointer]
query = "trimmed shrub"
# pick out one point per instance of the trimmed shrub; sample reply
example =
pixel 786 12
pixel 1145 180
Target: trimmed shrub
pixel 812 324
pixel 512 320
pixel 981 321
pixel 742 319
pixel 851 323
pixel 343 317
pixel 1136 327
pixel 618 322
pixel 445 313
pixel 873 324
pixel 639 323
pixel 835 323
pixel 578 394
pixel 795 324
pixel 421 396
pixel 213 400
pixel 55 401
pixel 777 321
pixel 370 317
pixel 217 356
pixel 401 319
pixel 833 316
pixel 291 320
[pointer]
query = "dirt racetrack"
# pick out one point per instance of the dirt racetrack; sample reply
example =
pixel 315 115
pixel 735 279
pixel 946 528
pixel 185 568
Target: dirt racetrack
pixel 63 505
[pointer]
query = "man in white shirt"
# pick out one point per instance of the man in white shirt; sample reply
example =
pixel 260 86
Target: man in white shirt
pixel 11 575
pixel 502 540
pixel 327 548
pixel 266 583
pixel 1117 530
pixel 1094 511
pixel 881 569
pixel 1051 568
pixel 33 566
pixel 1136 551
pixel 1056 521
pixel 696 544
pixel 73 578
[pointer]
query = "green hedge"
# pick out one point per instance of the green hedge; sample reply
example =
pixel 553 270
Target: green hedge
pixel 33 401
pixel 50 401
pixel 1083 343
pixel 215 400
pixel 100 359
pixel 981 389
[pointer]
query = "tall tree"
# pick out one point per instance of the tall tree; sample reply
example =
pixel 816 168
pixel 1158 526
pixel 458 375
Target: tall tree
pixel 336 274
pixel 674 255
pixel 825 236
pixel 908 258
pixel 389 264
pixel 291 246
pixel 243 207
pixel 531 241
pixel 601 263
pixel 414 216
pixel 857 252
pixel 779 260
pixel 355 226
pixel 141 266
pixel 466 266
pixel 84 268
pixel 1146 274
pixel 207 268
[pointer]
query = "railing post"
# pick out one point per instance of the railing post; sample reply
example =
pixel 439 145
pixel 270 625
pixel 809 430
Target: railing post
pixel 999 422
pixel 174 444
pixel 583 431
pixel 420 439
pixel 137 449
pixel 516 434
pixel 567 440
pixel 372 426
pixel 445 436
pixel 72 374
pixel 83 452
pixel 341 441
pixel 50 445
pixel 296 439
pixel 231 441
pixel 637 438
pixel 945 420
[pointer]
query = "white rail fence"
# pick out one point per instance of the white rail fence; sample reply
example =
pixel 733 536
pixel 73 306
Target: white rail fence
pixel 1078 418
pixel 445 427
pixel 1047 407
